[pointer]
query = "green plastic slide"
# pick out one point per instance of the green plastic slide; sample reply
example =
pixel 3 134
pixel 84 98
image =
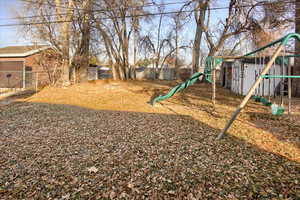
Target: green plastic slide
pixel 179 87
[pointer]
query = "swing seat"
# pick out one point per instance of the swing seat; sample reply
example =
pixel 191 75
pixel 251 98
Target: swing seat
pixel 265 102
pixel 256 98
pixel 277 110
pixel 262 100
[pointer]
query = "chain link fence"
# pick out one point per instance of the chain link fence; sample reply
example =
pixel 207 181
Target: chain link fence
pixel 14 81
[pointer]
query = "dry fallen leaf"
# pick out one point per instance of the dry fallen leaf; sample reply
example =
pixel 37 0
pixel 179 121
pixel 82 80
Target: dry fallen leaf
pixel 130 185
pixel 58 141
pixel 93 169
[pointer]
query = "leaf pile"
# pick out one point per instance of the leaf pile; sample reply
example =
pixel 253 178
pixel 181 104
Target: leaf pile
pixel 59 151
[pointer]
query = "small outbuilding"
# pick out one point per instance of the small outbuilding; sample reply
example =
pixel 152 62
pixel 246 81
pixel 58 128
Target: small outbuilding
pixel 98 72
pixel 239 75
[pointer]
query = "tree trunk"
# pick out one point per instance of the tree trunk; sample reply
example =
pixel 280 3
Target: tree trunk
pixel 84 50
pixel 176 51
pixel 115 72
pixel 296 70
pixel 135 58
pixel 200 20
pixel 158 48
pixel 65 72
pixel 196 49
pixel 65 36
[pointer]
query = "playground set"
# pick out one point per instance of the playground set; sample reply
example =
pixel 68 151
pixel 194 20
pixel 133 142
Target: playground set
pixel 264 84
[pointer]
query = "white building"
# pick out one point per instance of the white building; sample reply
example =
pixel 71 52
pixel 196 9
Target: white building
pixel 240 75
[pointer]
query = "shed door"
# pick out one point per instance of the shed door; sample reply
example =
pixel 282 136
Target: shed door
pixel 11 74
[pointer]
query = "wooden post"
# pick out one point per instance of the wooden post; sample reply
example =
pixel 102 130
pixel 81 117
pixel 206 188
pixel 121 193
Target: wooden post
pixel 274 82
pixel 36 81
pixel 255 71
pixel 290 88
pixel 225 76
pixel 263 81
pixel 281 81
pixel 24 75
pixel 259 85
pixel 214 84
pixel 242 77
pixel 250 93
pixel 75 77
pixel 97 73
pixel 269 86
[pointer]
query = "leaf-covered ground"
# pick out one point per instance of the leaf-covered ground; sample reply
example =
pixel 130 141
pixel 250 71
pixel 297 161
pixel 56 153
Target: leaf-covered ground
pixel 103 141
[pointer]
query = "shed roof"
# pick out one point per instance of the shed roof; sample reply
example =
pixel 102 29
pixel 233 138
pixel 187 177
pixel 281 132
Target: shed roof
pixel 21 51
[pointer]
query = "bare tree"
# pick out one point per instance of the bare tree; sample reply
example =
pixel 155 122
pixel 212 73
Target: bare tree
pixel 161 47
pixel 271 24
pixel 116 32
pixel 200 11
pixel 51 62
pixel 234 24
pixel 157 53
pixel 178 24
pixel 65 25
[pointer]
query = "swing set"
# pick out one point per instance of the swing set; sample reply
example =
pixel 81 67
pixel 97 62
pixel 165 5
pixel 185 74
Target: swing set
pixel 265 74
pixel 268 73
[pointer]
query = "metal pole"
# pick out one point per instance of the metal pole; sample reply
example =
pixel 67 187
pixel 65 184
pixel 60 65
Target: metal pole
pixel 289 88
pixel 250 93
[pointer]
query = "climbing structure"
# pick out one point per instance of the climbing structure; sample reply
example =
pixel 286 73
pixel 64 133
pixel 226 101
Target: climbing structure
pixel 279 57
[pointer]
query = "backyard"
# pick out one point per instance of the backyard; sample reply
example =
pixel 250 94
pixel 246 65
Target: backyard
pixel 103 140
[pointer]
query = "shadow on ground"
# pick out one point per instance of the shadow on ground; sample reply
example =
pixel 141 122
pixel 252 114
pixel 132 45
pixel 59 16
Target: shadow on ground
pixel 198 97
pixel 285 128
pixel 5 100
pixel 67 152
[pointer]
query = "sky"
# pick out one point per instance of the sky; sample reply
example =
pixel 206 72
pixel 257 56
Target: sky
pixel 11 35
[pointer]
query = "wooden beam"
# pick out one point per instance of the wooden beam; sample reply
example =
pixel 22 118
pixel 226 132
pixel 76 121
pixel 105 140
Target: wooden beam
pixel 289 88
pixel 24 75
pixel 214 84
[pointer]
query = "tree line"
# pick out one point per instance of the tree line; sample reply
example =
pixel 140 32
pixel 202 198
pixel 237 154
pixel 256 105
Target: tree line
pixel 118 30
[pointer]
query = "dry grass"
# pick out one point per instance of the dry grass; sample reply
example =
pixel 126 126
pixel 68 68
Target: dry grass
pixel 102 140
